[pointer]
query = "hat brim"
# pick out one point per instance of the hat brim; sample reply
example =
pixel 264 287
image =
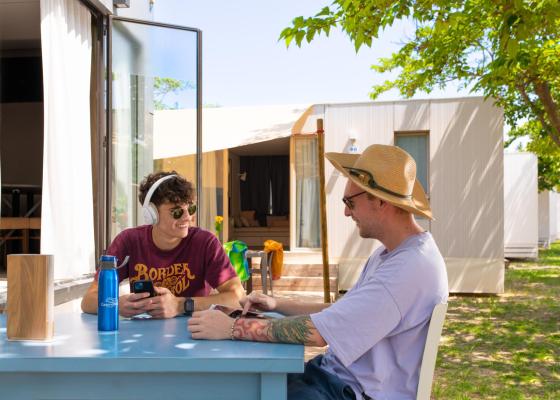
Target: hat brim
pixel 418 205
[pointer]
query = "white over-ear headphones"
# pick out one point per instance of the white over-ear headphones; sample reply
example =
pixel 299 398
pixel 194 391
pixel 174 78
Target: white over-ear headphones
pixel 151 216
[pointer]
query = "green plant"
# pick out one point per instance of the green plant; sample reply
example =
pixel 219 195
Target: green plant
pixel 218 225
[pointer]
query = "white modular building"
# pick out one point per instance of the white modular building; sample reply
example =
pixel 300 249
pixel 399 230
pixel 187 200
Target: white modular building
pixel 521 206
pixel 457 144
pixel 458 147
pixel 549 217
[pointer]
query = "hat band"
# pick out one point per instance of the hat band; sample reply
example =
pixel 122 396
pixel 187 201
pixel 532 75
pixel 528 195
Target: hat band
pixel 367 179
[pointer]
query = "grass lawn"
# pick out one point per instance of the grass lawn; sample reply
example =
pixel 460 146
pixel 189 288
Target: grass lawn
pixel 507 346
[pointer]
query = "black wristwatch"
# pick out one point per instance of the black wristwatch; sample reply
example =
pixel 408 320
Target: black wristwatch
pixel 188 306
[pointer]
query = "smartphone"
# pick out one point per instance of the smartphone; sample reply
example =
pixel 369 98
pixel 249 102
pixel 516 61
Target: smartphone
pixel 236 312
pixel 144 286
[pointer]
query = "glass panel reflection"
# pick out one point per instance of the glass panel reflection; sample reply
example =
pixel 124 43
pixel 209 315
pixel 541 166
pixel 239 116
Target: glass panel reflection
pixel 154 71
pixel 417 146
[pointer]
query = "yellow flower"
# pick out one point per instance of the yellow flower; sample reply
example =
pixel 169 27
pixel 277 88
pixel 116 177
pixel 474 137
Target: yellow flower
pixel 218 223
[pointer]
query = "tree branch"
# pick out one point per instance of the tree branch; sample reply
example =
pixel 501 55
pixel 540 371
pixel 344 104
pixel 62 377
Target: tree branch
pixel 540 115
pixel 551 109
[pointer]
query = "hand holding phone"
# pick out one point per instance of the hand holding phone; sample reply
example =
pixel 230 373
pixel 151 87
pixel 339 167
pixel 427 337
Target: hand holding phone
pixel 144 286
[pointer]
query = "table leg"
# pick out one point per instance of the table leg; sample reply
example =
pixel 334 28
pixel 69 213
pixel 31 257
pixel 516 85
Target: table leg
pixel 264 271
pixel 269 260
pixel 274 386
pixel 250 281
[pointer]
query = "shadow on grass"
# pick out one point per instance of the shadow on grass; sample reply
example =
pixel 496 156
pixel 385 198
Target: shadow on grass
pixel 507 346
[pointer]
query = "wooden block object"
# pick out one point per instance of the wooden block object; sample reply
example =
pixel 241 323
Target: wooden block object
pixel 30 305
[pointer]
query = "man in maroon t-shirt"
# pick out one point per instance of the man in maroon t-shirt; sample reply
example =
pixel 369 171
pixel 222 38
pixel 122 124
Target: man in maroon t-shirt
pixel 184 263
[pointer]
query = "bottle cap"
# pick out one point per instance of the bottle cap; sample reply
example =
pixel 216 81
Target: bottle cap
pixel 108 262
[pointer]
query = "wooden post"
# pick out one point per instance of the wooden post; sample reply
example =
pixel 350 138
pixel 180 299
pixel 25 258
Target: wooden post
pixel 30 308
pixel 323 210
pixel 226 181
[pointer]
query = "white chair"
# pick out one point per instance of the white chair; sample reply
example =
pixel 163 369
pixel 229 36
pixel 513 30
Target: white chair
pixel 430 352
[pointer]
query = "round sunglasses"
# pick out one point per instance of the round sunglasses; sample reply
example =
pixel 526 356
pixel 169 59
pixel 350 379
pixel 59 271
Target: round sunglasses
pixel 178 212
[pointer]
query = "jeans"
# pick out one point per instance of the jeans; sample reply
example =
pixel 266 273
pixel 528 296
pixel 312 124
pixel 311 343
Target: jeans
pixel 317 384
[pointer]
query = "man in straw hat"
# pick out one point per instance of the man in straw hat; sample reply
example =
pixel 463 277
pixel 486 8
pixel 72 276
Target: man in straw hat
pixel 376 333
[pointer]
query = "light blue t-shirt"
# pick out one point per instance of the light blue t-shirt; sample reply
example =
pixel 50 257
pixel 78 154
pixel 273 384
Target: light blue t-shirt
pixel 376 333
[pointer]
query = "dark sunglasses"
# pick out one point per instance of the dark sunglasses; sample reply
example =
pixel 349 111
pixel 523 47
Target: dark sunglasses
pixel 348 200
pixel 366 178
pixel 178 212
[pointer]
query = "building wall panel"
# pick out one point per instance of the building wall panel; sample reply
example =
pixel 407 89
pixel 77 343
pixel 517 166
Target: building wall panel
pixel 368 124
pixel 411 116
pixel 467 178
pixel 466 183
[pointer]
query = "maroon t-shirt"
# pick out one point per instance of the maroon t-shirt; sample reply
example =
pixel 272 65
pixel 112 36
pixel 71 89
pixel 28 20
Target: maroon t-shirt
pixel 191 269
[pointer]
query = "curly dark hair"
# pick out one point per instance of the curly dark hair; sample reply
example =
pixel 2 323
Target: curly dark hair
pixel 176 190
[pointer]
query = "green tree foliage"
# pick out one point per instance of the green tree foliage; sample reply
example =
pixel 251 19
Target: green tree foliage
pixel 164 86
pixel 507 49
pixel 542 145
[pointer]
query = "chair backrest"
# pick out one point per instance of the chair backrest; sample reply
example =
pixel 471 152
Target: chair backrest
pixel 430 352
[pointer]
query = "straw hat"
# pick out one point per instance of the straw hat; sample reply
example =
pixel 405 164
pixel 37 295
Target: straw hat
pixel 387 172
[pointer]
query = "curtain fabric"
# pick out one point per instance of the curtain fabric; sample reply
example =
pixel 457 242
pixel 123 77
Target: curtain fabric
pixel 307 193
pixel 211 191
pixel 255 191
pixel 280 182
pixel 67 200
pixel 267 178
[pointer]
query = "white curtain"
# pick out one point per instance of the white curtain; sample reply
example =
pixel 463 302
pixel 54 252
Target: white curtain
pixel 67 201
pixel 210 187
pixel 307 193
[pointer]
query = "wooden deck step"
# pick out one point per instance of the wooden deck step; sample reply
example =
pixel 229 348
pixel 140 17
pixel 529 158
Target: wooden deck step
pixel 303 269
pixel 302 277
pixel 291 283
pixel 308 270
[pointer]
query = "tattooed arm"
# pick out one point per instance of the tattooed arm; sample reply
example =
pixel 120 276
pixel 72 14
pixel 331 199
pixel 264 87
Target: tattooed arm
pixel 299 329
pixel 216 325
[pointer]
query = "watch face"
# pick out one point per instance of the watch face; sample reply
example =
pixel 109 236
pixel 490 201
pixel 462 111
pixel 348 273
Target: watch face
pixel 189 306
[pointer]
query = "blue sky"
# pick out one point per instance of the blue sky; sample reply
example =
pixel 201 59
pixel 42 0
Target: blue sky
pixel 245 64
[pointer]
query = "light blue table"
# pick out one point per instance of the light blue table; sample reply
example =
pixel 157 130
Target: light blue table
pixel 146 359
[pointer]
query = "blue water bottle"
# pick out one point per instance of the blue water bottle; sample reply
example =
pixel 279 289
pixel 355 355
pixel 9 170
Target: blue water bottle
pixel 108 295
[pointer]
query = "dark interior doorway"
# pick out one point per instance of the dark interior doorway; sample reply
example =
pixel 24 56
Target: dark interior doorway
pixel 21 128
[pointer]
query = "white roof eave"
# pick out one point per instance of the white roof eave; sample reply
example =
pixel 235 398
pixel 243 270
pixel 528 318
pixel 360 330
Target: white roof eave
pixel 227 127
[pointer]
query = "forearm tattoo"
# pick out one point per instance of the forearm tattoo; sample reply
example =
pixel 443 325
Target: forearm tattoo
pixel 292 329
pixel 284 330
pixel 251 329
